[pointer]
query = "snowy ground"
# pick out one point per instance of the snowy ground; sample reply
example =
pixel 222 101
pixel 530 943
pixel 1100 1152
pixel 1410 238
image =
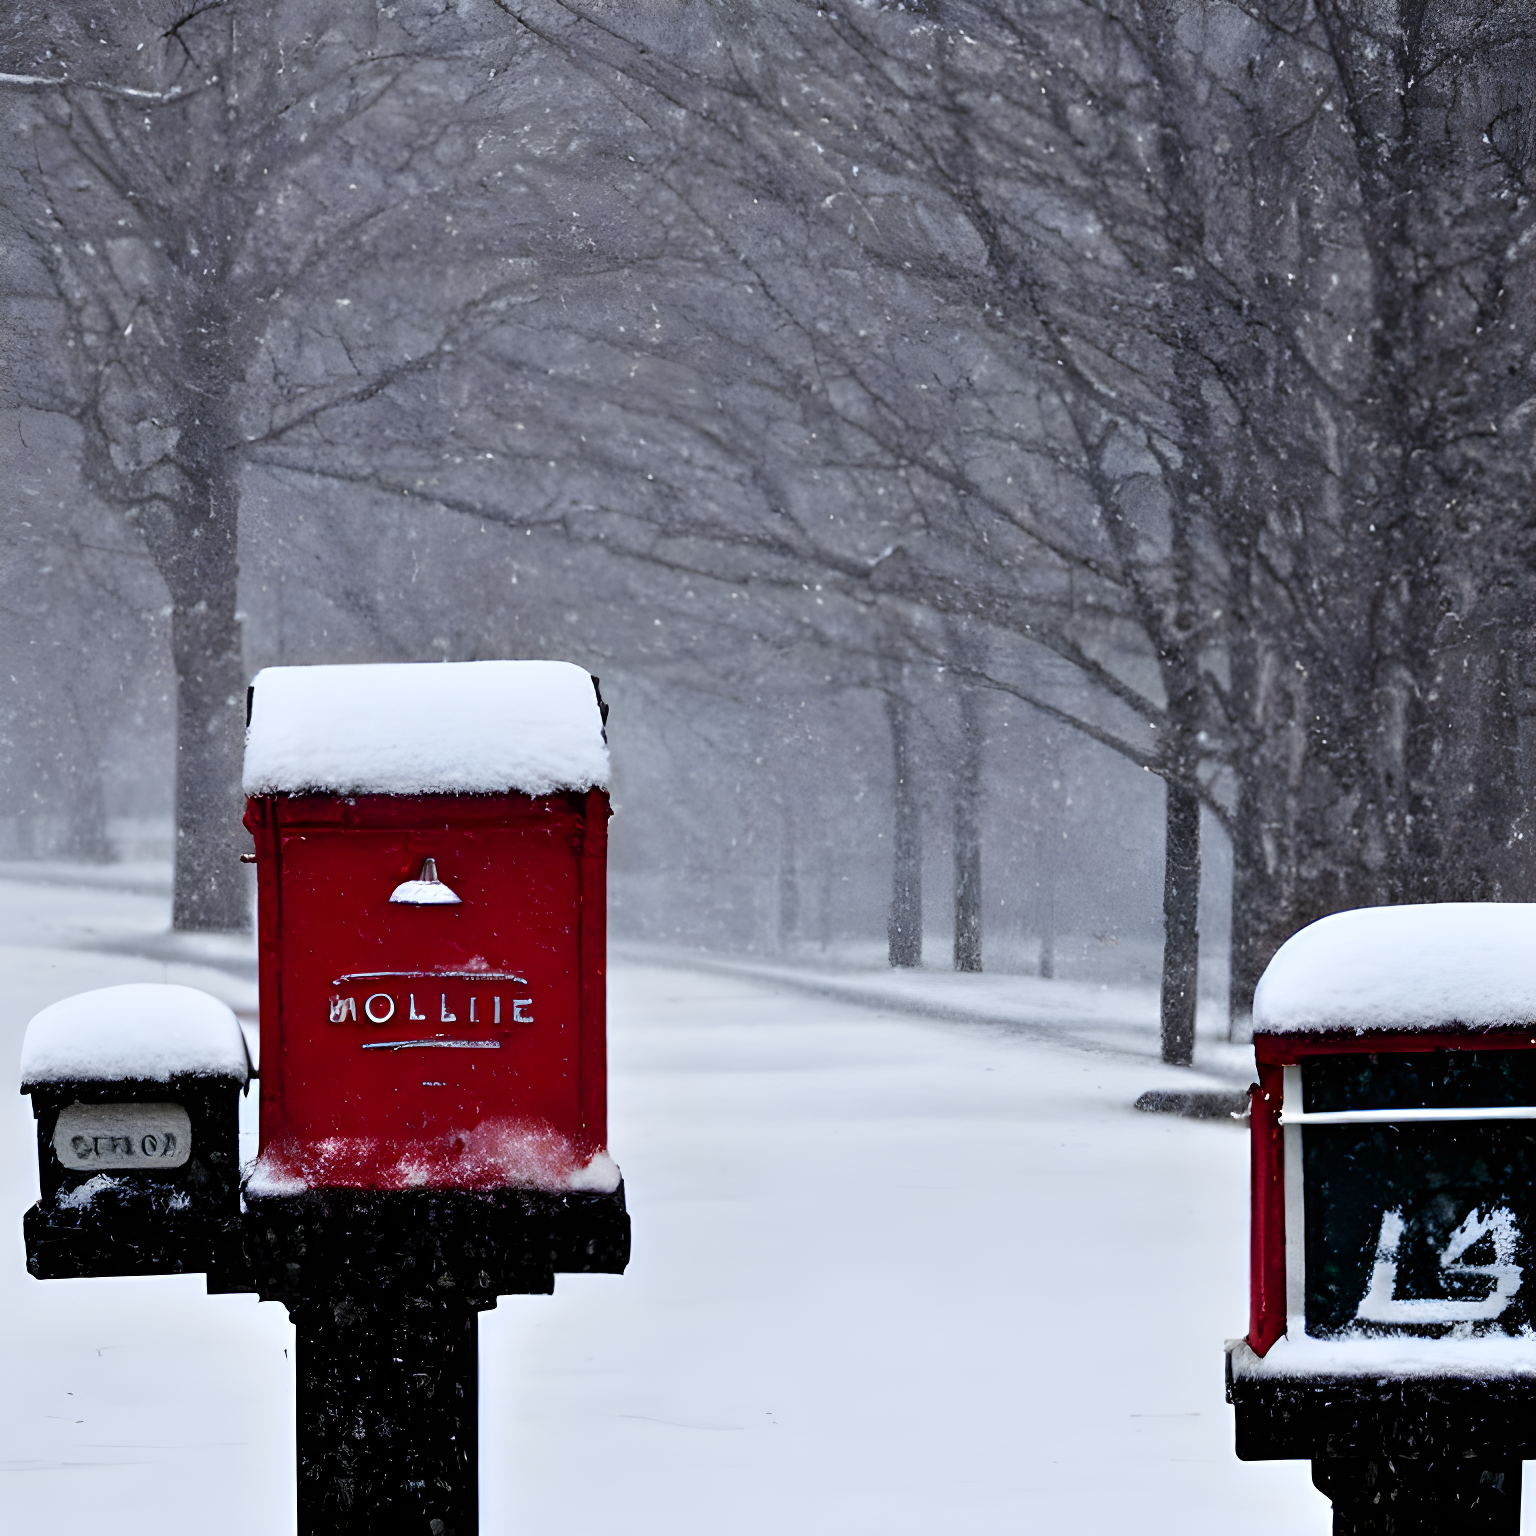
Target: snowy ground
pixel 1098 1015
pixel 891 1275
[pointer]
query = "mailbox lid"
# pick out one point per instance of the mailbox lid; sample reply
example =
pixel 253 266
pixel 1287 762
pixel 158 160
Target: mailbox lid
pixel 451 1044
pixel 139 1031
pixel 1447 967
pixel 409 728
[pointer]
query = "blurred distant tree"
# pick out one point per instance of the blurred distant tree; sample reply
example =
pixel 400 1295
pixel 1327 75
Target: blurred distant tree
pixel 253 218
pixel 77 619
pixel 904 926
pixel 966 802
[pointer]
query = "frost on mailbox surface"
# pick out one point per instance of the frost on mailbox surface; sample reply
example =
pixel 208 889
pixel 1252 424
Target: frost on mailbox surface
pixel 143 1031
pixel 1467 963
pixel 465 727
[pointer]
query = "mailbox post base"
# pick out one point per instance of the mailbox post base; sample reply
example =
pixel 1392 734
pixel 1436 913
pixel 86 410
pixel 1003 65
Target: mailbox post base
pixel 384 1288
pixel 1390 1497
pixel 1406 1456
pixel 388 1417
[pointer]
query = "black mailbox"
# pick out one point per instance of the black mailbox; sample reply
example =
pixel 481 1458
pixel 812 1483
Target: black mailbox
pixel 136 1094
pixel 1391 1338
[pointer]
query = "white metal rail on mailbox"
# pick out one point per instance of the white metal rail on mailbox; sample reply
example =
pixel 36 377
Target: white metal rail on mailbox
pixel 1386 1116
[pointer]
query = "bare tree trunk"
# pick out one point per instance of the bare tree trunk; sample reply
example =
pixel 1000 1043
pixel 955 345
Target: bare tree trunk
pixel 1252 943
pixel 210 889
pixel 1181 925
pixel 1045 902
pixel 80 782
pixel 968 834
pixel 86 836
pixel 789 881
pixel 196 548
pixel 904 926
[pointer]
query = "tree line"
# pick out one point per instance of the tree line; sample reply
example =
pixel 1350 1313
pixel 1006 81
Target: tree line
pixel 1165 366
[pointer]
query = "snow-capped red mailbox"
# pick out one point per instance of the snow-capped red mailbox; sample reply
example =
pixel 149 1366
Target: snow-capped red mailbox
pixel 136 1093
pixel 1392 1334
pixel 431 849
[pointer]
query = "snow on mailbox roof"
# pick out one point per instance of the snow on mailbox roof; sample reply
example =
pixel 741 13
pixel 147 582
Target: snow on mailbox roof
pixel 1468 963
pixel 457 727
pixel 145 1030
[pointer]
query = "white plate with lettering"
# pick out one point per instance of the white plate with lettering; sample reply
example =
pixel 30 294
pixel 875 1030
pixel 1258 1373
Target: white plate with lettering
pixel 143 1136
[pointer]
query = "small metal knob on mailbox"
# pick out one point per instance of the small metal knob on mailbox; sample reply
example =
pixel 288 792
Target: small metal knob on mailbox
pixel 426 890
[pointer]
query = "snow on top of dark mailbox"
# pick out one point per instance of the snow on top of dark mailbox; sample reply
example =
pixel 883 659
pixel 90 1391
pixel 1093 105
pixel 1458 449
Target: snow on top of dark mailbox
pixel 1440 965
pixel 142 1031
pixel 458 727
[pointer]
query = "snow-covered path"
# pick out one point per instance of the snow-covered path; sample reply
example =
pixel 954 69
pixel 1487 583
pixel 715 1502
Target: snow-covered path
pixel 890 1276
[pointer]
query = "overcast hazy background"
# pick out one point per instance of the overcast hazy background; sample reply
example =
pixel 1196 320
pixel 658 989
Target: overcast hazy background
pixel 1045 487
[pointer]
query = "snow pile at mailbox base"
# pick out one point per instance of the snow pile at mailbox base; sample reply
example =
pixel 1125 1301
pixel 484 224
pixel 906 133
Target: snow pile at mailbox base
pixel 494 1155
pixel 1484 1359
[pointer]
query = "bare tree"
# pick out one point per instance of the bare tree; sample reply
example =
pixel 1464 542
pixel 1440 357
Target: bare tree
pixel 226 199
pixel 967 832
pixel 1271 261
pixel 950 490
pixel 1182 349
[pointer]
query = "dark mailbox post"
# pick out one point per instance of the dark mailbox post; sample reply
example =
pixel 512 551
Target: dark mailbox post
pixel 1392 1334
pixel 431 847
pixel 136 1094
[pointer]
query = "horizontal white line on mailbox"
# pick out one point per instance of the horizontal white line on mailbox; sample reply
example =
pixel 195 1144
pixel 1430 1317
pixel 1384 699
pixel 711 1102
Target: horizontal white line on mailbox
pixel 441 1045
pixel 1385 1116
pixel 430 976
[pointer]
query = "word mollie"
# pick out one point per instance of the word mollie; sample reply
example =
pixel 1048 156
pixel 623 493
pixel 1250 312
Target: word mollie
pixel 123 1136
pixel 431 997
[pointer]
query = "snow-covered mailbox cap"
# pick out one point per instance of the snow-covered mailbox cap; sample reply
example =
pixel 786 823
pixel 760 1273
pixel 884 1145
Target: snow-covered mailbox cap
pixel 135 1089
pixel 142 1032
pixel 469 727
pixel 431 847
pixel 1394 1150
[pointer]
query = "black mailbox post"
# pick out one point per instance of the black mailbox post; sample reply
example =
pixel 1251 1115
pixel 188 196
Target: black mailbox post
pixel 1392 1335
pixel 136 1093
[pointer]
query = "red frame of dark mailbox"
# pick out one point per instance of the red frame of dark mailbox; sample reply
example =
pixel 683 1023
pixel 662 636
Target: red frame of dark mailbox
pixel 531 874
pixel 1273 1053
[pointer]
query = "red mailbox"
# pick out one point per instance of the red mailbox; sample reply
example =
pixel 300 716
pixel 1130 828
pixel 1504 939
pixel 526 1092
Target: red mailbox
pixel 431 847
